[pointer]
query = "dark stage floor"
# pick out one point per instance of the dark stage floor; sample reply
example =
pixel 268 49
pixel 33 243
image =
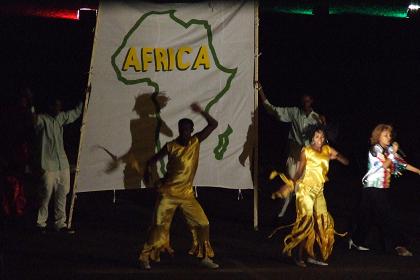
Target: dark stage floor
pixel 109 236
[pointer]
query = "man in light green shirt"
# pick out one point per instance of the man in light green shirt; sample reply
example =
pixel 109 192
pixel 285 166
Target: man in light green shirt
pixel 299 118
pixel 53 163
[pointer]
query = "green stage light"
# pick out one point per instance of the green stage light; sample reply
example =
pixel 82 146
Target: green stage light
pixel 343 7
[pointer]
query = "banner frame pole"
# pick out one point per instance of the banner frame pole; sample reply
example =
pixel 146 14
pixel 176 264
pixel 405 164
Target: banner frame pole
pixel 256 72
pixel 82 128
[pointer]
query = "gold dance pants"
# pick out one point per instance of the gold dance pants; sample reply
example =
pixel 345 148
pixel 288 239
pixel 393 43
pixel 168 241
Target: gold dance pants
pixel 313 223
pixel 159 241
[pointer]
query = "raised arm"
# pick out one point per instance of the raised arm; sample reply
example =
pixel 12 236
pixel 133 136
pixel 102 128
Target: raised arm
pixel 211 123
pixel 284 114
pixel 334 154
pixel 260 91
pixel 71 115
pixel 35 118
pixel 36 123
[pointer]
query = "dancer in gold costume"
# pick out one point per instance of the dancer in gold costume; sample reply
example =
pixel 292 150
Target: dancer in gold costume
pixel 176 190
pixel 313 222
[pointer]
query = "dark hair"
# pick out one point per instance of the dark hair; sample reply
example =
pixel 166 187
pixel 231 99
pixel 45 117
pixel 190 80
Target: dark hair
pixel 307 95
pixel 184 121
pixel 310 130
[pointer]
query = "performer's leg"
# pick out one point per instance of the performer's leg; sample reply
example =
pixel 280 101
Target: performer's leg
pixel 49 178
pixel 286 202
pixel 303 228
pixel 61 190
pixel 158 239
pixel 301 254
pixel 199 225
pixel 384 216
pixel 364 220
pixel 324 228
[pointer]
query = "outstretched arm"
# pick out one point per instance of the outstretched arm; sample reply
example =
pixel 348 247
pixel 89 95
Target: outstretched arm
pixel 334 154
pixel 283 114
pixel 72 115
pixel 260 91
pixel 393 155
pixel 211 122
pixel 411 168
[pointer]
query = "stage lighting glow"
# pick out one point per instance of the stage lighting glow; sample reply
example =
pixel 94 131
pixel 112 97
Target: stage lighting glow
pixel 413 11
pixel 85 9
pixel 47 12
pixel 344 7
pixel 414 7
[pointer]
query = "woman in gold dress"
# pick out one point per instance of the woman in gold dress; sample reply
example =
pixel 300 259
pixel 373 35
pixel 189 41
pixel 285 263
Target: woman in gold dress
pixel 313 222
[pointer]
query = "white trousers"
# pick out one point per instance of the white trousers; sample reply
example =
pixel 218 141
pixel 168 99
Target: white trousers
pixel 56 184
pixel 292 165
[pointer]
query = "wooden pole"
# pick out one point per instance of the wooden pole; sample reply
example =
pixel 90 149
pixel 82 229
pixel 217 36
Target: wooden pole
pixel 255 159
pixel 82 132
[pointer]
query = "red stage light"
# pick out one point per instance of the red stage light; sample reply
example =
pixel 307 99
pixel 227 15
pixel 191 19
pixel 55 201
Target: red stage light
pixel 68 13
pixel 58 14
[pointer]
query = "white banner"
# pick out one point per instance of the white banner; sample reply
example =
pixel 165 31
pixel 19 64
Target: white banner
pixel 150 62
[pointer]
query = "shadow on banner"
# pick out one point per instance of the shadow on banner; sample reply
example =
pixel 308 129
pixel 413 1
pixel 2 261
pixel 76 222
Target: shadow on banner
pixel 145 132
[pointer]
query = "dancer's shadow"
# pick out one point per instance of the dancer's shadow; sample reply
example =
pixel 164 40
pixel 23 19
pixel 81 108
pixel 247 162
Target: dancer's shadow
pixel 145 132
pixel 248 149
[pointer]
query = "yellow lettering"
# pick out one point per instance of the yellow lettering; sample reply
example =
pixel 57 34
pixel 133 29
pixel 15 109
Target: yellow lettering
pixel 166 59
pixel 131 60
pixel 179 58
pixel 202 59
pixel 146 58
pixel 171 55
pixel 161 60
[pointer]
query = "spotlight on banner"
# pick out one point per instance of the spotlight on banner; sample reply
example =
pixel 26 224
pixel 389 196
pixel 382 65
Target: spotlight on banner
pixel 413 11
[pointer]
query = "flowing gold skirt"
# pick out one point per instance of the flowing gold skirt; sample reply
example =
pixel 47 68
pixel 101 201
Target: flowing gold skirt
pixel 313 223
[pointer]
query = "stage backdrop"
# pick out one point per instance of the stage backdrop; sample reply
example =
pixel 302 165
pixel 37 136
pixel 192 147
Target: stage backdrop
pixel 150 62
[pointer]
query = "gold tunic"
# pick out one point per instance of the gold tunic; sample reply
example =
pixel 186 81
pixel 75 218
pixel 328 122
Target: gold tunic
pixel 181 168
pixel 313 222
